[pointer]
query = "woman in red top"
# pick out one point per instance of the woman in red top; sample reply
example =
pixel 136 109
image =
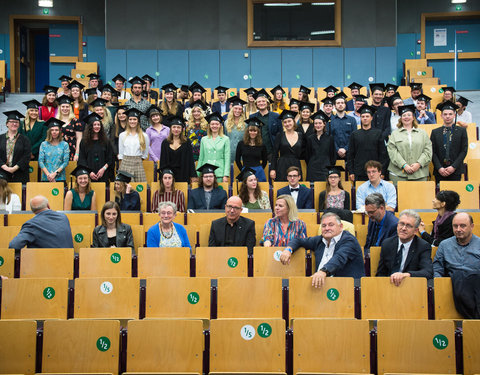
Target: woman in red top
pixel 49 106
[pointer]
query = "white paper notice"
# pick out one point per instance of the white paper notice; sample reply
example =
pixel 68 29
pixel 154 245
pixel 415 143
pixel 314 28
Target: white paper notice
pixel 439 37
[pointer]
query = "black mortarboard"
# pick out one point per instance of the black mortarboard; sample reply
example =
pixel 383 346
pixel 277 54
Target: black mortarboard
pixel 354 85
pixel 80 170
pixel 254 121
pixel 235 100
pixel 175 120
pixel 146 77
pixel 221 89
pixel 392 98
pixel 367 109
pixel 76 84
pixel 136 81
pixel 32 104
pixel 305 90
pixel 170 87
pixel 294 101
pixel 360 98
pixel 133 112
pixel 92 117
pixel 183 88
pixel 65 78
pixel 245 173
pixel 48 89
pixel 54 122
pixel 166 170
pixel 123 176
pixel 207 168
pixel 320 115
pixel 64 99
pixel 99 102
pixel 215 116
pixel 250 91
pixel 152 110
pixel 196 87
pixel 91 91
pixel 93 76
pixel 287 114
pixel 199 103
pixel 306 105
pixel 261 93
pixel 424 98
pixel 108 88
pixel 328 101
pixel 416 86
pixel 463 101
pixel 449 88
pixel 276 88
pixel 13 115
pixel 334 169
pixel 406 108
pixel 447 105
pixel 340 95
pixel 119 77
pixel 377 86
pixel 330 89
pixel 391 87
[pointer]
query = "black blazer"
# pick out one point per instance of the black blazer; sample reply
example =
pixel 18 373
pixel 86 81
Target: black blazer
pixel 304 197
pixel 244 236
pixel 196 199
pixel 124 236
pixel 417 264
pixel 21 157
pixel 458 151
pixel 445 230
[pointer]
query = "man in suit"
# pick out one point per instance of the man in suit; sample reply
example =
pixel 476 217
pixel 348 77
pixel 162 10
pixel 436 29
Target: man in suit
pixel 382 224
pixel 46 229
pixel 405 255
pixel 421 114
pixel 302 195
pixel 449 145
pixel 337 252
pixel 233 229
pixel 208 195
pixel 221 106
pixel 354 91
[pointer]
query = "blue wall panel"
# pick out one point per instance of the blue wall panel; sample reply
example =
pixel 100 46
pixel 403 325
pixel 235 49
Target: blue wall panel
pixel 468 74
pixel 359 65
pixel 204 67
pixel 173 67
pixel 328 66
pixel 95 51
pixel 297 67
pixel 56 70
pixel 234 68
pixel 405 50
pixel 63 41
pixel 266 67
pixel 5 54
pixel 385 64
pixel 141 62
pixel 466 42
pixel 116 63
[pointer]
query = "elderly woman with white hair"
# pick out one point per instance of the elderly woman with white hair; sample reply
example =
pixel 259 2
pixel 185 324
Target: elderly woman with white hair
pixel 167 233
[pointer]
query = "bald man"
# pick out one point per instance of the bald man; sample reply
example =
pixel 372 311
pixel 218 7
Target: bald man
pixel 233 229
pixel 47 229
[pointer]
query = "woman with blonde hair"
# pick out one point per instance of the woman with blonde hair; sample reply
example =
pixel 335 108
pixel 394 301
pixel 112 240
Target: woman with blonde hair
pixel 99 107
pixel 54 153
pixel 197 127
pixel 72 128
pixel 169 105
pixel 33 128
pixel 235 124
pixel 250 107
pixel 81 197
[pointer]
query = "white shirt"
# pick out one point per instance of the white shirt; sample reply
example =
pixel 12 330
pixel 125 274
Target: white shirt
pixel 329 250
pixel 294 194
pixel 130 145
pixel 465 117
pixel 406 247
pixel 124 95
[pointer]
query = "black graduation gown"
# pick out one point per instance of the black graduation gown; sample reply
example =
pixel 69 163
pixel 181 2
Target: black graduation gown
pixel 21 157
pixel 180 161
pixel 319 154
pixel 285 156
pixel 95 156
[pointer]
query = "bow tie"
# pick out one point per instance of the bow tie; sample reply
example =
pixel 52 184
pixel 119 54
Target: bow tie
pixel 294 189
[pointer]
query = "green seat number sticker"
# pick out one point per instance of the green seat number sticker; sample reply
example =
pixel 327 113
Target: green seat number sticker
pixel 49 292
pixel 30 169
pixel 139 188
pixel 115 258
pixel 469 188
pixel 193 298
pixel 103 344
pixel 440 342
pixel 264 330
pixel 2 261
pixel 78 237
pixel 332 294
pixel 232 262
pixel 55 192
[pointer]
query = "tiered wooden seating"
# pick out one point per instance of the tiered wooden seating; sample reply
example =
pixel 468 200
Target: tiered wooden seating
pixel 247 345
pixel 138 236
pixel 473 150
pixel 443 296
pixel 163 261
pixel 18 346
pixel 18 219
pixel 53 191
pixel 140 188
pixel 265 186
pixel 105 262
pixel 7 262
pixel 82 218
pixel 130 218
pixel 471 347
pixel 473 166
pixel 82 236
pixel 33 171
pixel 468 191
pixel 416 346
pixel 374 259
pixel 221 261
pixel 383 300
pixel 100 195
pixel 81 346
pixel 150 171
pixel 266 262
pixel 404 91
pixel 18 189
pixel 200 218
pixel 347 349
pixel 49 263
pixel 415 194
pixel 247 297
pixel 7 234
pixel 165 345
pixel 34 298
pixel 178 297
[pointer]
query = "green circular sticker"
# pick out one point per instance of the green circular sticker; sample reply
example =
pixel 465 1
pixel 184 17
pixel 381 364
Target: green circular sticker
pixel 232 262
pixel 411 53
pixel 469 188
pixel 82 76
pixel 349 76
pixel 55 192
pixel 78 237
pixel 440 91
pixel 205 76
pixel 440 342
pixel 264 330
pixel 139 188
pixel 115 258
pixel 1 261
pixel 424 73
pixel 103 344
pixel 193 298
pixel 49 292
pixel 332 294
pixel 30 169
pixel 232 93
pixel 297 76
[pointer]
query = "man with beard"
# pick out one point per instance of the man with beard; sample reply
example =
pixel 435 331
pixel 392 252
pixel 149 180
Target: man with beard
pixel 137 102
pixel 208 195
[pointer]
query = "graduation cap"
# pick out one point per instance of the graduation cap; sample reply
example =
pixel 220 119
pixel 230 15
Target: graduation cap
pixel 215 116
pixel 170 87
pixel 449 88
pixel 93 76
pixel 64 99
pixel 360 98
pixel 146 77
pixel 463 101
pixel 406 108
pixel 254 121
pixel 276 88
pixel 423 98
pixel 207 168
pixel 287 114
pixel 199 103
pixel 133 112
pixel 92 117
pixel 196 87
pixel 48 89
pixel 77 84
pixel 377 86
pixel 416 86
pixel 119 77
pixel 340 95
pixel 123 176
pixel 306 105
pixel 99 102
pixel 235 100
pixel 13 115
pixel 394 97
pixel 328 101
pixel 165 170
pixel 330 89
pixel 305 90
pixel 183 88
pixel 447 105
pixel 221 89
pixel 320 115
pixel 54 122
pixel 32 104
pixel 367 109
pixel 262 93
pixel 391 87
pixel 136 81
pixel 294 102
pixel 250 91
pixel 354 86
pixel 80 170
pixel 175 120
pixel 245 173
pixel 65 78
pixel 108 88
pixel 153 109
pixel 334 169
pixel 91 91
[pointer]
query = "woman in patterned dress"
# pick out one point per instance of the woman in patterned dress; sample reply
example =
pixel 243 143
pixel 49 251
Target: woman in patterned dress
pixel 72 128
pixel 54 153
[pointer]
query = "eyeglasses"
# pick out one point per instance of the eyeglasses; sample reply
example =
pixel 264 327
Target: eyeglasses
pixel 293 176
pixel 228 207
pixel 408 226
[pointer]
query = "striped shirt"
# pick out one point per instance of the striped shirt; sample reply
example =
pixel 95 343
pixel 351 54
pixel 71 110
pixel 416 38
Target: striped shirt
pixel 273 231
pixel 176 197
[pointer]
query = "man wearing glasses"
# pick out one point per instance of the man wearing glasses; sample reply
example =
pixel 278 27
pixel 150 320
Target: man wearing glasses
pixel 302 195
pixel 382 224
pixel 233 229
pixel 208 195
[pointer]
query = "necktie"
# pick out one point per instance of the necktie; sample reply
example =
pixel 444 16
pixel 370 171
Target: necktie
pixel 398 260
pixel 374 240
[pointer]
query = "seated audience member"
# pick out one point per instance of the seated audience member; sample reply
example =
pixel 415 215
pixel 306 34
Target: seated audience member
pixel 125 195
pixel 415 92
pixel 208 195
pixel 382 223
pixel 250 193
pixel 458 253
pixel 376 184
pixel 82 196
pixel 302 196
pixel 47 229
pixel 167 233
pixel 422 115
pixel 405 255
pixel 445 202
pixel 337 252
pixel 334 196
pixel 233 229
pixel 166 191
pixel 464 117
pixel 285 226
pixel 9 201
pixel 112 232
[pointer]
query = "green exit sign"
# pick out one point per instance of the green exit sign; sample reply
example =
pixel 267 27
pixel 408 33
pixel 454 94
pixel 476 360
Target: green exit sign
pixel 458 7
pixel 47 11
